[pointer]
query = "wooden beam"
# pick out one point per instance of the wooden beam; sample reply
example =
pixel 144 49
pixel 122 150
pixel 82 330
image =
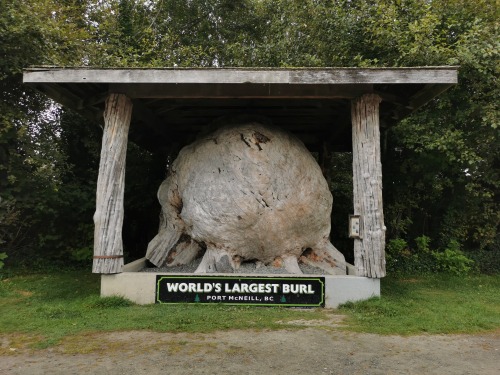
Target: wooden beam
pixel 308 76
pixel 369 248
pixel 426 95
pixel 108 217
pixel 68 99
pixel 240 91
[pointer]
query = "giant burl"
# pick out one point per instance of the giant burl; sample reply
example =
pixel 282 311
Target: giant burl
pixel 247 192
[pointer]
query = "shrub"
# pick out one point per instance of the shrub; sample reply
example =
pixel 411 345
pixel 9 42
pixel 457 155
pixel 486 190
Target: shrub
pixel 2 257
pixel 403 259
pixel 421 259
pixel 398 256
pixel 486 261
pixel 453 260
pixel 423 243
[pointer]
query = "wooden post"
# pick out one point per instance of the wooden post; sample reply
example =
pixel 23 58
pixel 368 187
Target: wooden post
pixel 369 248
pixel 108 217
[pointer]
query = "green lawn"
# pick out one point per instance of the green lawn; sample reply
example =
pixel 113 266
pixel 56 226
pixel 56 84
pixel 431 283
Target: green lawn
pixel 43 308
pixel 430 304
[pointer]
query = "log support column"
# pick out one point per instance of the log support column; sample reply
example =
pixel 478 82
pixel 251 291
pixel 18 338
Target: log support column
pixel 108 217
pixel 369 247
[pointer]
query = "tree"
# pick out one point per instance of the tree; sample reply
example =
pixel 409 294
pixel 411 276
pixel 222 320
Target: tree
pixel 32 32
pixel 441 165
pixel 443 161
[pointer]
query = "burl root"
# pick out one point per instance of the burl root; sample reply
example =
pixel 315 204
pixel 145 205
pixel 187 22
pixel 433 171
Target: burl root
pixel 291 264
pixel 217 261
pixel 184 252
pixel 326 257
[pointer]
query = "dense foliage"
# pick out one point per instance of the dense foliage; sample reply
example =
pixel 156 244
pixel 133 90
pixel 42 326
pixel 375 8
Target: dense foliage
pixel 441 165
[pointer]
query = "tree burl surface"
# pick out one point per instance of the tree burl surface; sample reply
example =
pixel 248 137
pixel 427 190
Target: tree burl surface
pixel 247 192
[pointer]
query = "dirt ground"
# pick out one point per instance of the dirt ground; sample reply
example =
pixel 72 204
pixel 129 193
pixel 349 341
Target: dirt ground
pixel 307 350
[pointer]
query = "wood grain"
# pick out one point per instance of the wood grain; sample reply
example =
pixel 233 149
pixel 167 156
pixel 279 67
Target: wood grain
pixel 369 250
pixel 108 217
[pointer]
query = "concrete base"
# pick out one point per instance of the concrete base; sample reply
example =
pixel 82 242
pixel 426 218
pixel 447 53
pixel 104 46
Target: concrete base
pixel 139 287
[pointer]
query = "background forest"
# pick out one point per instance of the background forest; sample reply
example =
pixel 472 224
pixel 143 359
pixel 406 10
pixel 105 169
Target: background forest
pixel 441 166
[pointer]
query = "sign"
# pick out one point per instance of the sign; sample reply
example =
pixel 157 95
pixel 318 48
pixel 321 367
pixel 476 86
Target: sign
pixel 242 290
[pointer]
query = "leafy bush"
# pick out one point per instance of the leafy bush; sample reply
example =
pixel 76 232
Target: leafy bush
pixel 421 259
pixel 487 260
pixel 10 227
pixel 453 260
pixel 399 257
pixel 423 243
pixel 82 254
pixel 2 257
pixel 397 246
pixel 403 259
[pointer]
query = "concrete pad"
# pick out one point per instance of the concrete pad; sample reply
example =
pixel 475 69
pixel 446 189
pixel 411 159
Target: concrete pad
pixel 342 289
pixel 140 287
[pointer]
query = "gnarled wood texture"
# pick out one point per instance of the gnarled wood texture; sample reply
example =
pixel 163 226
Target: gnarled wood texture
pixel 108 217
pixel 247 192
pixel 369 250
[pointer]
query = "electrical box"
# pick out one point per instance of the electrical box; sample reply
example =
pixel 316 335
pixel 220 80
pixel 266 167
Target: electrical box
pixel 355 226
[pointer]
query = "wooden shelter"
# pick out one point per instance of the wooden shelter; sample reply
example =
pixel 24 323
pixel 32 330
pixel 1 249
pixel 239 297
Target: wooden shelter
pixel 334 108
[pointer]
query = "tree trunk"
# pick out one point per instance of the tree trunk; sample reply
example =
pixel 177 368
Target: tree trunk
pixel 108 218
pixel 369 249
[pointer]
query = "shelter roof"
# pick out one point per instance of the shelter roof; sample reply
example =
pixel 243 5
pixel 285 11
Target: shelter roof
pixel 174 104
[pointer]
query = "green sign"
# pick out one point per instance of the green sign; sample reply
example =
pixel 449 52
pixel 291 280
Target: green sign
pixel 242 290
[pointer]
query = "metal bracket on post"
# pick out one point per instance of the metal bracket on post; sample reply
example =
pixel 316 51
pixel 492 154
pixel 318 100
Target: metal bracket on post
pixel 355 226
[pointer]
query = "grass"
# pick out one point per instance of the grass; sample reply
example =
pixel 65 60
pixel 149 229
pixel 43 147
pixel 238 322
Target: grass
pixel 49 307
pixel 39 310
pixel 434 304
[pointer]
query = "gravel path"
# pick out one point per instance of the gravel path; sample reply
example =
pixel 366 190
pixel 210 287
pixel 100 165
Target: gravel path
pixel 308 350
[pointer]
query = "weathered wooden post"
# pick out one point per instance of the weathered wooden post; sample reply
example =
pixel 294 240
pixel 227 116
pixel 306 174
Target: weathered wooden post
pixel 108 217
pixel 369 247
